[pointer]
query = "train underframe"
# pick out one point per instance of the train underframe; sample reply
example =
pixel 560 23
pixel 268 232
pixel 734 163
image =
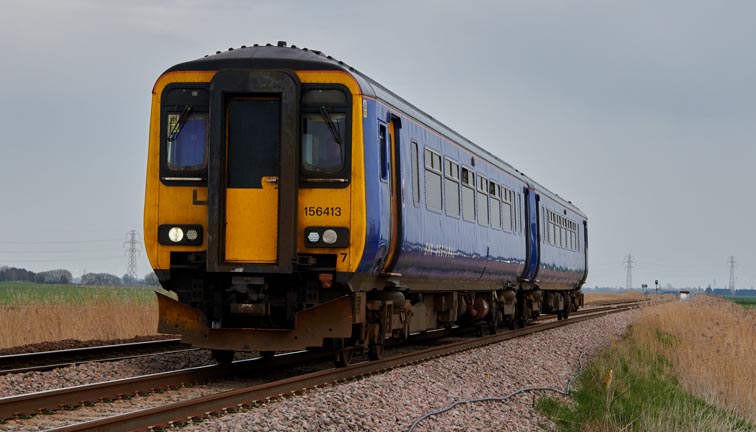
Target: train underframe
pixel 311 310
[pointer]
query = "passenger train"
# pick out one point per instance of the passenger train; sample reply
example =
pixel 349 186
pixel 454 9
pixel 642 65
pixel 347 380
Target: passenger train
pixel 293 202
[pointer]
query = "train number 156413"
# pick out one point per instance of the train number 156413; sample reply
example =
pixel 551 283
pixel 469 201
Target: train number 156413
pixel 322 211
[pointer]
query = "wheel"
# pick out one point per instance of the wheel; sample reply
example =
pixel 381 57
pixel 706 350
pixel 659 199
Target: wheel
pixel 478 330
pixel 343 352
pixel 223 357
pixel 493 324
pixel 376 350
pixel 267 355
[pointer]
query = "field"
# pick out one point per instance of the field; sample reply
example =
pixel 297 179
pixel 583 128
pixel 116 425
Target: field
pixel 35 313
pixel 684 365
pixel 743 301
pixel 592 297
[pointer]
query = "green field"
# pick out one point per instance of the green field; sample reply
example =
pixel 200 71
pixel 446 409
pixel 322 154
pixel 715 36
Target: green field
pixel 15 293
pixel 743 301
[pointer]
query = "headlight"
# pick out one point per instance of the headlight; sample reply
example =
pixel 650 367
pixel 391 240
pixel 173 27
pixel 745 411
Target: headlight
pixel 326 237
pixel 179 234
pixel 330 236
pixel 176 234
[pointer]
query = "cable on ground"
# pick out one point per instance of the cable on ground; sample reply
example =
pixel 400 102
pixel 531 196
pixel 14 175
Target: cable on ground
pixel 565 392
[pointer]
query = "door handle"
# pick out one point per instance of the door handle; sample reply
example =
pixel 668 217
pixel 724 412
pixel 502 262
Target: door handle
pixel 271 180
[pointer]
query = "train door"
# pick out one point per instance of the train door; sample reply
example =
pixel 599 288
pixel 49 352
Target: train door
pixel 253 143
pixel 252 173
pixel 390 171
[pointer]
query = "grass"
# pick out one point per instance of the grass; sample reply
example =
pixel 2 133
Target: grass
pixel 35 313
pixel 681 366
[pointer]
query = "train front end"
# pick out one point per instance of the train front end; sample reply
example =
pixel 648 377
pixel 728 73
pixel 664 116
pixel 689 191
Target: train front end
pixel 252 212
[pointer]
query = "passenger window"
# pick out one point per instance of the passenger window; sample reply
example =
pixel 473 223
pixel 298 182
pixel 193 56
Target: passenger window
pixel 451 187
pixel 482 200
pixel 432 180
pixel 468 195
pixel 495 205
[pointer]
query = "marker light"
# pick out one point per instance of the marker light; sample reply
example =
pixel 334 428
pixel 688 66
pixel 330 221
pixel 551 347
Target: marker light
pixel 330 236
pixel 313 237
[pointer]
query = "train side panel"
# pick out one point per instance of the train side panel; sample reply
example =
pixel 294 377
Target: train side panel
pixel 562 246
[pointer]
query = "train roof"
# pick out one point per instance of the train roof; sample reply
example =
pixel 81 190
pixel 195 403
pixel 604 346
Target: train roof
pixel 281 56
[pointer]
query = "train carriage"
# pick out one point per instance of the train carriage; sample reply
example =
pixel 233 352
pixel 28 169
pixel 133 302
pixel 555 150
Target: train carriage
pixel 293 202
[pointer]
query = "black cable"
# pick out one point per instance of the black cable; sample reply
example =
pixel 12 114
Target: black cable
pixel 565 392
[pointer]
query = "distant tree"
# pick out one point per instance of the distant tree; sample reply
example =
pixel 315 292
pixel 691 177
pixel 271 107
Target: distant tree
pixel 100 279
pixel 127 279
pixel 59 276
pixel 12 274
pixel 151 279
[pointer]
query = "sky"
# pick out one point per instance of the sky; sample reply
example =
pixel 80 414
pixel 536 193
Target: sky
pixel 641 113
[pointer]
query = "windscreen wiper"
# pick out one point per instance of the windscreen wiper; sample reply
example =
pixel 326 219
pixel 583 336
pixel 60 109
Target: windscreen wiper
pixel 332 125
pixel 180 123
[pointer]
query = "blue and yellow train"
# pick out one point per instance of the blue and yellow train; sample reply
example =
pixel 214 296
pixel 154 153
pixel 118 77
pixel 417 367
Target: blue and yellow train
pixel 293 202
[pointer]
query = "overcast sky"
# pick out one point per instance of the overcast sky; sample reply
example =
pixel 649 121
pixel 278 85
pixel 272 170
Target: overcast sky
pixel 642 113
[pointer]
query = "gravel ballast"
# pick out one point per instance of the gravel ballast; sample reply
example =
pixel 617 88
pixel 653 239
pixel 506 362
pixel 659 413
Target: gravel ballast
pixel 394 400
pixel 390 401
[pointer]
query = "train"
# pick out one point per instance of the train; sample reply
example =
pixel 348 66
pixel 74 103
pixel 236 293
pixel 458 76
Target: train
pixel 292 202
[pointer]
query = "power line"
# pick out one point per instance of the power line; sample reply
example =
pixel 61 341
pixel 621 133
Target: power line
pixel 131 269
pixel 732 274
pixel 629 266
pixel 60 242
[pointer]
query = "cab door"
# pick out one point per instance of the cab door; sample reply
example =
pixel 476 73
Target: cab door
pixel 253 141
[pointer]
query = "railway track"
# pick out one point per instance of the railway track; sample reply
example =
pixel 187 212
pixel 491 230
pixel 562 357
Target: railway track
pixel 197 409
pixel 48 360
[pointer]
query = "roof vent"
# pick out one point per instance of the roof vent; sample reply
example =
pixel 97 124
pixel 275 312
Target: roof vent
pixel 282 44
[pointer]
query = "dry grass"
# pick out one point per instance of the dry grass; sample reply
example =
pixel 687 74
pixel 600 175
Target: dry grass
pixel 711 343
pixel 593 297
pixel 98 318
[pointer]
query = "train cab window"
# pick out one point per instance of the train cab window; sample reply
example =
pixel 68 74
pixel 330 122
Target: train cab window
pixel 482 200
pixel 184 134
pixel 432 180
pixel 324 152
pixel 468 195
pixel 495 192
pixel 451 187
pixel 187 141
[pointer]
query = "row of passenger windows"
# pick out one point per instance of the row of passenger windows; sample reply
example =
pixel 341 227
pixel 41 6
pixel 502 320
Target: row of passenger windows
pixel 448 186
pixel 559 231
